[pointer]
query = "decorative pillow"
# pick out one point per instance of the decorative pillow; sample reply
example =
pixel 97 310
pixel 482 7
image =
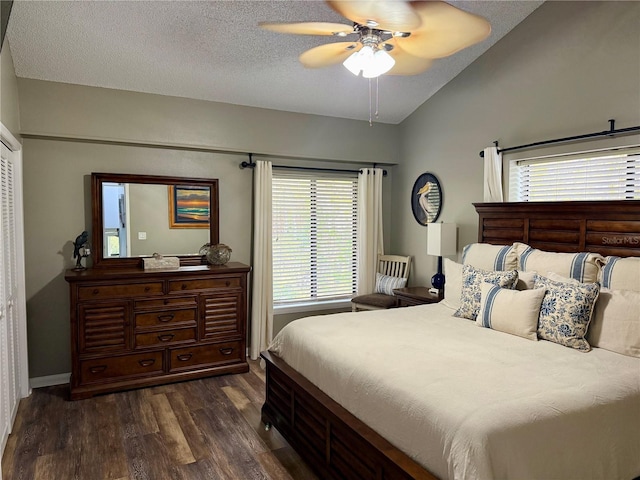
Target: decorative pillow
pixel 616 322
pixel 472 278
pixel 490 257
pixel 621 273
pixel 452 283
pixel 566 311
pixel 510 311
pixel 583 267
pixel 526 280
pixel 385 283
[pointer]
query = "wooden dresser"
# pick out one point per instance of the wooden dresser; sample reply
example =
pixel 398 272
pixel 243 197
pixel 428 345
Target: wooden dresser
pixel 134 328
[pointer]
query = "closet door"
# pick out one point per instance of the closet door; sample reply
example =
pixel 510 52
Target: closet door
pixel 10 346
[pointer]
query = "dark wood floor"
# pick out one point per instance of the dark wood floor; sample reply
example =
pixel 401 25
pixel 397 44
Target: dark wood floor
pixel 203 429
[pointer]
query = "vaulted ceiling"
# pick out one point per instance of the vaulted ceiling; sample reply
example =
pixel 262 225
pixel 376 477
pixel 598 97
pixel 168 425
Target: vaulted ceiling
pixel 214 50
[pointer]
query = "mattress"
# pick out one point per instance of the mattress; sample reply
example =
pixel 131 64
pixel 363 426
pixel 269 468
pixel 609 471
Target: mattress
pixel 473 403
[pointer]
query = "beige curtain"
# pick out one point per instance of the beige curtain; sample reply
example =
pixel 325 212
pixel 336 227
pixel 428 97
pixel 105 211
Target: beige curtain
pixel 370 238
pixel 262 270
pixel 492 175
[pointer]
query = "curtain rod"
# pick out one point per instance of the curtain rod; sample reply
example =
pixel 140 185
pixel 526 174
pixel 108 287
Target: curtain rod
pixel 251 164
pixel 612 132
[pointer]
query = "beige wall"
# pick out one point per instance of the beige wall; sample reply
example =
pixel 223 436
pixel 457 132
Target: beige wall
pixel 56 173
pixel 567 69
pixel 9 112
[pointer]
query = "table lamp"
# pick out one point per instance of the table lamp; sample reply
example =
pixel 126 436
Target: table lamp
pixel 441 241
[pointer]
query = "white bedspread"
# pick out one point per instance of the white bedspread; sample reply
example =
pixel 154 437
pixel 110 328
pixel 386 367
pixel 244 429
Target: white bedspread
pixel 472 403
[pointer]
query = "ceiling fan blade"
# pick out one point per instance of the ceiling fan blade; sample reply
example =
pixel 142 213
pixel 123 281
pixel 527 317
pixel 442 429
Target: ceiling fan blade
pixel 407 64
pixel 392 15
pixel 309 28
pixel 328 54
pixel 444 30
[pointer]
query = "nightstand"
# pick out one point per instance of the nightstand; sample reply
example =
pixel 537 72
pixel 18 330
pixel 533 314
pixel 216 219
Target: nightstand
pixel 415 296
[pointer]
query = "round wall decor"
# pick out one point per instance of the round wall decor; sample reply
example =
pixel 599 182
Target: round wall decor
pixel 426 199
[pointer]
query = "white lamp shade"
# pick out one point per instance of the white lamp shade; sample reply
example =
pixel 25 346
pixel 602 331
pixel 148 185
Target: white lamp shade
pixel 441 239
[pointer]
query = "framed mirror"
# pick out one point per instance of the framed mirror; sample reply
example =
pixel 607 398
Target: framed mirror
pixel 135 216
pixel 426 199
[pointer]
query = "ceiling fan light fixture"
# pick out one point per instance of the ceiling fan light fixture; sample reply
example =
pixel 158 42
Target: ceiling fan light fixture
pixel 371 62
pixel 381 63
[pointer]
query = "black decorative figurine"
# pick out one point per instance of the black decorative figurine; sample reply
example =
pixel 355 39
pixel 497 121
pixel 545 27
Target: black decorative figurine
pixel 78 245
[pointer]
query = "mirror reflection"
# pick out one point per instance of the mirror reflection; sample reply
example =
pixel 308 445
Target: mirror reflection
pixel 140 219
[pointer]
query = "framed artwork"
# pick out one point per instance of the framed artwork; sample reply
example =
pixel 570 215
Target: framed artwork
pixel 426 199
pixel 189 206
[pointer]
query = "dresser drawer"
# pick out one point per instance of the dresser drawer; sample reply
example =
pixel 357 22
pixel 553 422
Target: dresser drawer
pixel 122 290
pixel 165 317
pixel 100 369
pixel 205 356
pixel 203 284
pixel 165 337
pixel 166 302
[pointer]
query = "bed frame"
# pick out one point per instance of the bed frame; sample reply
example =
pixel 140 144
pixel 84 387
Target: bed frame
pixel 335 443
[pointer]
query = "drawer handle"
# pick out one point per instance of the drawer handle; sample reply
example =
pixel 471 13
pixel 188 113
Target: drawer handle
pixel 98 369
pixel 146 363
pixel 165 318
pixel 166 338
pixel 183 286
pixel 228 283
pixel 95 291
pixel 226 351
pixel 184 357
pixel 146 289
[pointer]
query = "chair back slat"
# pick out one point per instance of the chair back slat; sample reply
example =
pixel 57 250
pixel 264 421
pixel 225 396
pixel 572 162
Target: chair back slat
pixel 394 265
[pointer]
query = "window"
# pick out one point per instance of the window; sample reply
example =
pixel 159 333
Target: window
pixel 314 236
pixel 603 175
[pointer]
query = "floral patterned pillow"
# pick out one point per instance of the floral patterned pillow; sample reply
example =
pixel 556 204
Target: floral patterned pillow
pixel 472 278
pixel 566 311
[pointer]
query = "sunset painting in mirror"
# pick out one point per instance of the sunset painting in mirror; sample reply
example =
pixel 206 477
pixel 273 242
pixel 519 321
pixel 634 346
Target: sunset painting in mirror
pixel 189 206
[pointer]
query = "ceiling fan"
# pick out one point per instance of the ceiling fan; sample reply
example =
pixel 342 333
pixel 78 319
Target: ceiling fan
pixel 395 37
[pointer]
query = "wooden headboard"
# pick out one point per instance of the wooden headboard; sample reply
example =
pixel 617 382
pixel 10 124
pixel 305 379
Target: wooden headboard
pixel 605 227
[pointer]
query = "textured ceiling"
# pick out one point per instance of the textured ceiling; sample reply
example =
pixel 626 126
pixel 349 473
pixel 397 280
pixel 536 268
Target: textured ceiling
pixel 214 50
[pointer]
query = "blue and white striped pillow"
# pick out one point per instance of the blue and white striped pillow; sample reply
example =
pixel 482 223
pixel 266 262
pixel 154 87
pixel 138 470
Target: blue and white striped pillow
pixel 510 311
pixel 583 267
pixel 621 273
pixel 490 257
pixel 385 283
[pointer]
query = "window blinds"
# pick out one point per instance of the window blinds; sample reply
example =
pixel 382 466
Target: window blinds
pixel 314 236
pixel 604 175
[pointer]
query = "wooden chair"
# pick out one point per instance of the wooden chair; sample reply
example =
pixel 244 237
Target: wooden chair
pixel 393 266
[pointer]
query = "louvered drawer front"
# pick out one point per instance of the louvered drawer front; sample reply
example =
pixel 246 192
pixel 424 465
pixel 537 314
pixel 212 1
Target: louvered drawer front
pixel 166 317
pixel 221 315
pixel 166 302
pixel 123 290
pixel 103 327
pixel 165 337
pixel 99 369
pixel 203 284
pixel 205 356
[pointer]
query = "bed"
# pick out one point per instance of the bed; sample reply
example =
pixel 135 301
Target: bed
pixel 372 395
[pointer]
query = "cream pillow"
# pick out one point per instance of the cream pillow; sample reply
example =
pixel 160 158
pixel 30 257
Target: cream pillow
pixel 490 257
pixel 616 322
pixel 510 311
pixel 452 283
pixel 621 273
pixel 583 266
pixel 526 280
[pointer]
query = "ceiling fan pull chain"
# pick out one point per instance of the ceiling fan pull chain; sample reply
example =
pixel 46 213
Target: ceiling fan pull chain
pixel 377 96
pixel 370 107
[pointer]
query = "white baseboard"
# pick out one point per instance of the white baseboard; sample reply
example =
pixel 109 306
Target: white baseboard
pixel 49 380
